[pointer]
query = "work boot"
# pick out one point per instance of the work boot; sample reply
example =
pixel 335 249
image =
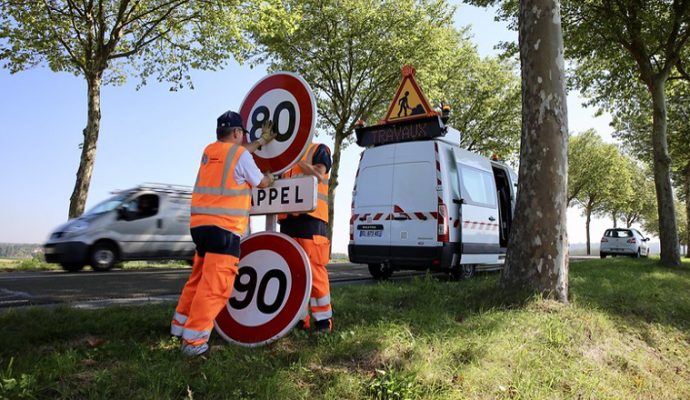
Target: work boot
pixel 201 352
pixel 304 324
pixel 323 326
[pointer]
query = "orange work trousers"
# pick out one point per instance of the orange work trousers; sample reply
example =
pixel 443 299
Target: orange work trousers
pixel 208 288
pixel 318 251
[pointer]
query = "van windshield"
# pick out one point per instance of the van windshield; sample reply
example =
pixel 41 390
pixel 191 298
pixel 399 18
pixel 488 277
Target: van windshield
pixel 107 205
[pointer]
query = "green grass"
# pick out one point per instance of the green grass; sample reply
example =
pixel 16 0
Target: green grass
pixel 625 335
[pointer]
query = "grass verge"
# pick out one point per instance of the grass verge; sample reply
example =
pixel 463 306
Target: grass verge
pixel 625 335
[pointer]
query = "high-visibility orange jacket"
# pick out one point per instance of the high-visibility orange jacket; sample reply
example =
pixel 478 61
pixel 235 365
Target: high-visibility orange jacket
pixel 321 211
pixel 217 198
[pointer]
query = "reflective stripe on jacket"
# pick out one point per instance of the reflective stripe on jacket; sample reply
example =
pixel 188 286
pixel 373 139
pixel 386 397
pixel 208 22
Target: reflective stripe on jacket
pixel 217 198
pixel 321 211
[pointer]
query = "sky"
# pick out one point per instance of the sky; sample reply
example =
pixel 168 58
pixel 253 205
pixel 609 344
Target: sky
pixel 157 135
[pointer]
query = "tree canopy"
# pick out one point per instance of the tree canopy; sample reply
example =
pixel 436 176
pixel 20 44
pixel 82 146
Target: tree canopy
pixel 107 41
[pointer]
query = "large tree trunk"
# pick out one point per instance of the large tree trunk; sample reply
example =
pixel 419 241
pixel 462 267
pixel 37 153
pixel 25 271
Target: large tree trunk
pixel 537 258
pixel 588 213
pixel 333 179
pixel 686 187
pixel 668 231
pixel 614 218
pixel 88 151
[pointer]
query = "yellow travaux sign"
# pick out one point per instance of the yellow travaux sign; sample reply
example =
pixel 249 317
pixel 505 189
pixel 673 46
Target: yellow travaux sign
pixel 409 101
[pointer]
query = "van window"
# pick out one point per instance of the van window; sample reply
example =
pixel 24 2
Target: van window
pixel 140 207
pixel 477 186
pixel 107 205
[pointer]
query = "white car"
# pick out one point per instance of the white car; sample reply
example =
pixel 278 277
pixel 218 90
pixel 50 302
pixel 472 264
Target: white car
pixel 623 241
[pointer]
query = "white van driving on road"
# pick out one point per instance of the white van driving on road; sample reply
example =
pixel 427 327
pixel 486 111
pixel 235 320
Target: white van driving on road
pixel 148 222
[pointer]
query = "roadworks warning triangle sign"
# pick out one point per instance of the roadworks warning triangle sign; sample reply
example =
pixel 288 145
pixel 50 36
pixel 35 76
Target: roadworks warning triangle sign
pixel 409 101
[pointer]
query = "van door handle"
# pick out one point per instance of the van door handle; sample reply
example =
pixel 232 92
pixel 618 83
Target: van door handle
pixel 400 218
pixel 492 219
pixel 159 223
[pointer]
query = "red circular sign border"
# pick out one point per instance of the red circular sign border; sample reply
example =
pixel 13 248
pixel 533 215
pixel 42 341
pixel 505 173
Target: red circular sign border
pixel 287 316
pixel 307 109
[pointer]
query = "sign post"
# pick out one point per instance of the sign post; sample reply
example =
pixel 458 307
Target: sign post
pixel 273 282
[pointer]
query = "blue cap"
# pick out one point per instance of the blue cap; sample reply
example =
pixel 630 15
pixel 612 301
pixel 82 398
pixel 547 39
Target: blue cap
pixel 231 119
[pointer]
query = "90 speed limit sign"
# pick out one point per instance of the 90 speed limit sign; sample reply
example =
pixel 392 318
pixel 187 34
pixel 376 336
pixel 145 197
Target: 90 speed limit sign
pixel 271 290
pixel 287 100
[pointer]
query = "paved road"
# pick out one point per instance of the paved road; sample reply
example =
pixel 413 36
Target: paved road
pixel 88 288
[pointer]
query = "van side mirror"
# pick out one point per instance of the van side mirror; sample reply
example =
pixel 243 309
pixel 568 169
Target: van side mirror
pixel 122 213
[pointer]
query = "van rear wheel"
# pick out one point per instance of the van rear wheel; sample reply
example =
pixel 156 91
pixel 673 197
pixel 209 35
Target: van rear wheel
pixel 464 271
pixel 103 256
pixel 380 271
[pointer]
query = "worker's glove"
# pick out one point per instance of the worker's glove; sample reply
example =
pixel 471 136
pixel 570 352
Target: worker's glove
pixel 267 133
pixel 270 177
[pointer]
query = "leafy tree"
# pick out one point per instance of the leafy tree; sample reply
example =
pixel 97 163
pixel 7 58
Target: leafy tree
pixel 631 123
pixel 485 98
pixel 596 175
pixel 537 258
pixel 642 200
pixel 106 41
pixel 615 44
pixel 351 53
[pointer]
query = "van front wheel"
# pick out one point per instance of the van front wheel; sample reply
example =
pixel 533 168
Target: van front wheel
pixel 103 256
pixel 380 271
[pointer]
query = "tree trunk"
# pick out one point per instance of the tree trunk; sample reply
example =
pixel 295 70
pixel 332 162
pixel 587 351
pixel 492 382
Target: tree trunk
pixel 333 179
pixel 88 151
pixel 537 258
pixel 686 187
pixel 588 213
pixel 668 231
pixel 614 218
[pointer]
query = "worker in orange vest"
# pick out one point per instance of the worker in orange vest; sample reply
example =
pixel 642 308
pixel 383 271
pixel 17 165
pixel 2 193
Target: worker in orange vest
pixel 309 230
pixel 221 200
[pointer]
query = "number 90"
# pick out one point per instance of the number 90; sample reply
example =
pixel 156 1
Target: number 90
pixel 250 288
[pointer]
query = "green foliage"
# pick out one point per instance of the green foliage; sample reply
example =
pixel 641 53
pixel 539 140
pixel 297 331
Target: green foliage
pixel 351 53
pixel 391 384
pixel 484 95
pixel 18 250
pixel 148 38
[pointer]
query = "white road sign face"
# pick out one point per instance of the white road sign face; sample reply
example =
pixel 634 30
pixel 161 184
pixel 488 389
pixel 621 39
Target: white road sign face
pixel 271 290
pixel 287 100
pixel 285 196
pixel 252 305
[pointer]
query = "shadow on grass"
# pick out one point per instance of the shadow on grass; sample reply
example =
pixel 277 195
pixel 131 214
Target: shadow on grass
pixel 124 352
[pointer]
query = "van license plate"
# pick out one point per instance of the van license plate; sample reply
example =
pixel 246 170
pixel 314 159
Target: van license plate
pixel 370 233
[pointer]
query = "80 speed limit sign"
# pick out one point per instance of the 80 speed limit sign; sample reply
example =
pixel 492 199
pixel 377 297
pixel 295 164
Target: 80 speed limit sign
pixel 287 100
pixel 271 290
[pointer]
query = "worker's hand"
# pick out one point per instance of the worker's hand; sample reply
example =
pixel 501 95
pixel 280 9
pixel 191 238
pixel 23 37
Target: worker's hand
pixel 269 176
pixel 267 133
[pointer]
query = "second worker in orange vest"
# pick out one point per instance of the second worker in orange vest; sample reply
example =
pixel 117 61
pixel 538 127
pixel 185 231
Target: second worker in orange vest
pixel 310 231
pixel 219 218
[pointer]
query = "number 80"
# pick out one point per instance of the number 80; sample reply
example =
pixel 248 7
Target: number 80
pixel 262 114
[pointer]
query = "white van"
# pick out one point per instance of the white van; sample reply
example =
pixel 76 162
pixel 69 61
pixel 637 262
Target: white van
pixel 148 222
pixel 421 202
